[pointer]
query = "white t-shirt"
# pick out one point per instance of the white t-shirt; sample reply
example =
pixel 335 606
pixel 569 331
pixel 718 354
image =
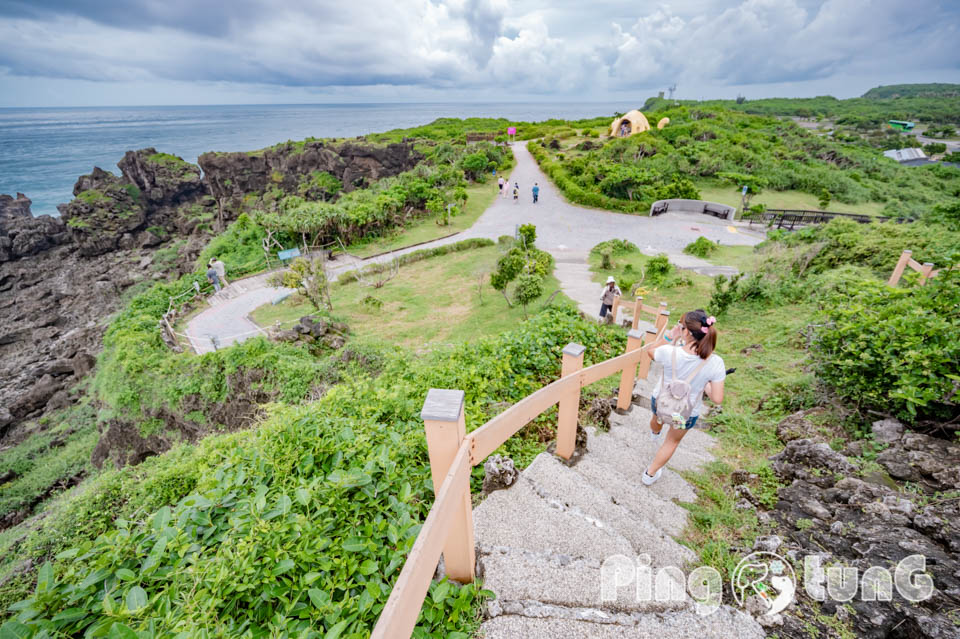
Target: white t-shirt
pixel 714 371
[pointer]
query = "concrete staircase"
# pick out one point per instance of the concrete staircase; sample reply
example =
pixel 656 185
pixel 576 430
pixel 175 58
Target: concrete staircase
pixel 541 543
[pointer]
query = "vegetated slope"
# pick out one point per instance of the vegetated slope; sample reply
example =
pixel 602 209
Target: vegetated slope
pixel 875 111
pixel 929 90
pixel 299 526
pixel 709 145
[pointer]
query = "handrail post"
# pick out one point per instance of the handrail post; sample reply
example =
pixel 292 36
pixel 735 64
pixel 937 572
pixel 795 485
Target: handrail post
pixel 569 405
pixel 662 317
pixel 629 376
pixel 898 271
pixel 649 338
pixel 637 308
pixel 615 307
pixel 925 272
pixel 446 428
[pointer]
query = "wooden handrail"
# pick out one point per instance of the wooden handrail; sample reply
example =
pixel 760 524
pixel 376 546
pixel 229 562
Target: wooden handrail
pixel 399 617
pixel 400 614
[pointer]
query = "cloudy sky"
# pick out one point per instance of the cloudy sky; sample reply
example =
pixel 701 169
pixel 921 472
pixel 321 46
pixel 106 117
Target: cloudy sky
pixel 138 52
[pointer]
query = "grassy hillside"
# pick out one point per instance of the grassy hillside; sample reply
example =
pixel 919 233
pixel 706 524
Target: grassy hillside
pixel 716 148
pixel 930 90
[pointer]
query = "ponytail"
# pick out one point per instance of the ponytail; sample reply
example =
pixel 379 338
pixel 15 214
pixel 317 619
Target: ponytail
pixel 703 329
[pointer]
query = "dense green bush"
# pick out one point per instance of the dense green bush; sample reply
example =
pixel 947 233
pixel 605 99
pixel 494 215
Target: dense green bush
pixel 701 247
pixel 615 247
pixel 312 514
pixel 893 350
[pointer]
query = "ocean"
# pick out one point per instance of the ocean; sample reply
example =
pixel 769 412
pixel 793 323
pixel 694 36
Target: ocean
pixel 43 151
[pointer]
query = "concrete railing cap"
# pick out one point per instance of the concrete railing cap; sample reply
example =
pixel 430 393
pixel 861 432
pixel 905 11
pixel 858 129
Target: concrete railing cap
pixel 635 333
pixel 574 349
pixel 442 405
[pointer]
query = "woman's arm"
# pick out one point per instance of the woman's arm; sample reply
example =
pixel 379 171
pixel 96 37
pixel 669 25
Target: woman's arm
pixel 714 391
pixel 673 334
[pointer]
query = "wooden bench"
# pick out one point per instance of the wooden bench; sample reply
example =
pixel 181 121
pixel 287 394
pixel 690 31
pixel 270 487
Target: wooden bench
pixel 715 211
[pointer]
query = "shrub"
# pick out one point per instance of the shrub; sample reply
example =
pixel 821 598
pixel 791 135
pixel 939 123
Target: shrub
pixel 894 350
pixel 701 247
pixel 935 147
pixel 615 247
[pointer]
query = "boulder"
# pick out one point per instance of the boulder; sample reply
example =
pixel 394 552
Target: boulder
pixel 163 180
pixel 104 210
pixel 795 426
pixel 499 473
pixel 887 430
pixel 811 461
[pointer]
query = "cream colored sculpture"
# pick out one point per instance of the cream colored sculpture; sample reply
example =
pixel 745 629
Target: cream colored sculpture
pixel 629 124
pixel 663 122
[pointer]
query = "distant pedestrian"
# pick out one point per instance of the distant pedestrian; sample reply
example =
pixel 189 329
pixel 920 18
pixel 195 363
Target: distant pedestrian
pixel 214 279
pixel 536 192
pixel 610 291
pixel 500 183
pixel 221 270
pixel 516 192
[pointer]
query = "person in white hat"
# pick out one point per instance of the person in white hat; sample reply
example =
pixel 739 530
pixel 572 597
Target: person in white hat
pixel 610 291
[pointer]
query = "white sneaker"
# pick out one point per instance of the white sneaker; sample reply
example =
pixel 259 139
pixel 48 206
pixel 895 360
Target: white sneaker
pixel 648 480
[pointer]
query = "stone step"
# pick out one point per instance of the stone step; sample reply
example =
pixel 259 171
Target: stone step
pixel 519 518
pixel 611 452
pixel 632 495
pixel 521 578
pixel 566 488
pixel 692 453
pixel 552 623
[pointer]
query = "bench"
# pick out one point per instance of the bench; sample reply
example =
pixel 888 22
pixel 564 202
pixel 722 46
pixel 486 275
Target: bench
pixel 716 211
pixel 660 209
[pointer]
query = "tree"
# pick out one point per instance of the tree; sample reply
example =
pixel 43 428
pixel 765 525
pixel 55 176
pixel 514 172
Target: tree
pixel 529 287
pixel 475 166
pixel 309 278
pixel 528 235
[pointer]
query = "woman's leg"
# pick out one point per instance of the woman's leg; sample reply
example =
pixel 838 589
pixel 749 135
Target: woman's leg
pixel 655 426
pixel 674 435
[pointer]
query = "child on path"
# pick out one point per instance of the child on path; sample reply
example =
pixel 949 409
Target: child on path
pixel 536 192
pixel 691 365
pixel 516 192
pixel 500 184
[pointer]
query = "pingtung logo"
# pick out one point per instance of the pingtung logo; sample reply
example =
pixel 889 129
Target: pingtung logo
pixel 767 577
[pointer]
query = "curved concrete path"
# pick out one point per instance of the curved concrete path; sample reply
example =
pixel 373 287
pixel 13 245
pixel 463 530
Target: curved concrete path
pixel 567 231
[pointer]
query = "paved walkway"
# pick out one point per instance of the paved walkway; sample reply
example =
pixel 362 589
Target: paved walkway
pixel 542 542
pixel 567 231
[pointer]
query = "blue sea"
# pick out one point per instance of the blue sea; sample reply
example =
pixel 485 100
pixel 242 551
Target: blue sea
pixel 44 151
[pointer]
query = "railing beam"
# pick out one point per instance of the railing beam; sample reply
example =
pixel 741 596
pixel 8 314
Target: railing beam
pixel 615 308
pixel 446 428
pixel 569 405
pixel 648 338
pixel 898 270
pixel 629 376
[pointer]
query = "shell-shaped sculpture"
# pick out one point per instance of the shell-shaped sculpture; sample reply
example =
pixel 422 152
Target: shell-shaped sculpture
pixel 629 124
pixel 663 122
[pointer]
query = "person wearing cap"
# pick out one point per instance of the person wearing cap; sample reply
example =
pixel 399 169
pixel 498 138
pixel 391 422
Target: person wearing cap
pixel 610 291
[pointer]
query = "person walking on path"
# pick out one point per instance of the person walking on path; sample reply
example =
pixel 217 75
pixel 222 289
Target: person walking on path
pixel 221 270
pixel 692 368
pixel 536 192
pixel 500 182
pixel 610 291
pixel 516 192
pixel 213 278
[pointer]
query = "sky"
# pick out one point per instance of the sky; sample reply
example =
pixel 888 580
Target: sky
pixel 157 52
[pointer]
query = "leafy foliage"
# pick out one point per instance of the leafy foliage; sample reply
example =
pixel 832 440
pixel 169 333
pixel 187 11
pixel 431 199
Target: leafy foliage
pixel 309 278
pixel 893 349
pixel 313 513
pixel 701 247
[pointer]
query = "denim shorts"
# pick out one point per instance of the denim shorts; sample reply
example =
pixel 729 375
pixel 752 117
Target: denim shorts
pixel 691 421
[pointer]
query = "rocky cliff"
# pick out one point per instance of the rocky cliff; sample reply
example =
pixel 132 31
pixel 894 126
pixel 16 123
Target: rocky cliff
pixel 60 278
pixel 231 176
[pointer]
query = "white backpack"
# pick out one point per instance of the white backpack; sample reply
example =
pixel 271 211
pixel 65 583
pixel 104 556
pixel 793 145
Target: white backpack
pixel 674 404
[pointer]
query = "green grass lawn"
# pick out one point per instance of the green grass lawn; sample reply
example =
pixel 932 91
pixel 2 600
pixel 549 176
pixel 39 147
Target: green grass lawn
pixel 725 194
pixel 479 198
pixel 433 301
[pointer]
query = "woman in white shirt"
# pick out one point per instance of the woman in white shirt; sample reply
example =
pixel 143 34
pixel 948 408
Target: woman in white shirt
pixel 692 341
